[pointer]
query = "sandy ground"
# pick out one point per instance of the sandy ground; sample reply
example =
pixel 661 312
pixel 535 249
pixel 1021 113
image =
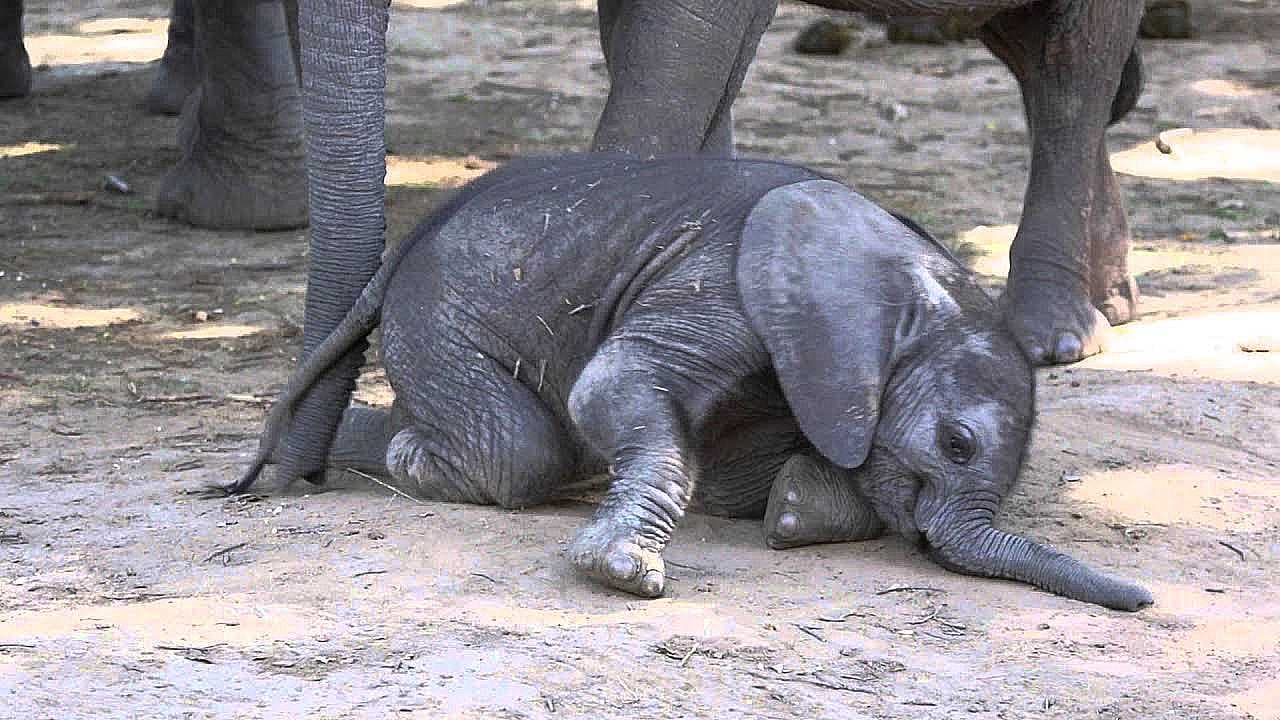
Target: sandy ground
pixel 138 354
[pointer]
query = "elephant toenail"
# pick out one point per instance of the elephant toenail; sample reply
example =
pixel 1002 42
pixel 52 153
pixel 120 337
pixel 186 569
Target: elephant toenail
pixel 651 586
pixel 793 496
pixel 788 525
pixel 621 566
pixel 1068 347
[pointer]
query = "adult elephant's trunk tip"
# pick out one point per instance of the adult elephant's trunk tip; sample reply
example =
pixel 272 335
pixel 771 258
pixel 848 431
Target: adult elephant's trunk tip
pixel 989 552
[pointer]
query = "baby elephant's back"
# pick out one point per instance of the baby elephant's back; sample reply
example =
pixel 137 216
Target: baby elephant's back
pixel 519 265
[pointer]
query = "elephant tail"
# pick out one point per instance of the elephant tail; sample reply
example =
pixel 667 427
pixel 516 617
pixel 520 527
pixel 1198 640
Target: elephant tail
pixel 1131 81
pixel 359 321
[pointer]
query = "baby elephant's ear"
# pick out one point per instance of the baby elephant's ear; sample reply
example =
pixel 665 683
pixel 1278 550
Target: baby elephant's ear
pixel 820 271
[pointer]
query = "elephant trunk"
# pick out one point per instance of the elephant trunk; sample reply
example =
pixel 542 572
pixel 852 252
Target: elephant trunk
pixel 343 57
pixel 971 545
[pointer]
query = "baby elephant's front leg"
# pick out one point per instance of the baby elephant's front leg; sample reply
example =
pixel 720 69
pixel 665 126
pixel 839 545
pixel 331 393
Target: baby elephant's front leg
pixel 628 416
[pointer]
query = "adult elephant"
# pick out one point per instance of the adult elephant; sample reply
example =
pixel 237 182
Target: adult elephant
pixel 675 68
pixel 241 135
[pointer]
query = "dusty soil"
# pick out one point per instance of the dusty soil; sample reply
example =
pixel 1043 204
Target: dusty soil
pixel 138 354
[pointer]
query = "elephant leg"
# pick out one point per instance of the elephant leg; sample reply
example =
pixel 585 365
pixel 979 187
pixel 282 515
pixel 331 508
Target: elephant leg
pixel 1114 291
pixel 471 434
pixel 1068 57
pixel 15 65
pixel 625 406
pixel 813 501
pixel 653 49
pixel 241 134
pixel 176 76
pixel 344 58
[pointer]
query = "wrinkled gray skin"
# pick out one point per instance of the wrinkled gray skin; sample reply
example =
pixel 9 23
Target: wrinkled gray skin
pixel 675 68
pixel 744 337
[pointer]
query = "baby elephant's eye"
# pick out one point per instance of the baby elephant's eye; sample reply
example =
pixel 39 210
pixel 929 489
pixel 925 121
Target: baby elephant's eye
pixel 957 443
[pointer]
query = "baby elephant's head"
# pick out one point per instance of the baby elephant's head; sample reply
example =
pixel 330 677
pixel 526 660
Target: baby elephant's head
pixel 894 361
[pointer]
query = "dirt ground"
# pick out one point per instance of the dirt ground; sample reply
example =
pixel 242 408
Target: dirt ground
pixel 137 356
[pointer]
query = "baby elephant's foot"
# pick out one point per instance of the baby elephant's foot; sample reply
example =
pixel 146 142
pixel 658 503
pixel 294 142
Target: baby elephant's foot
pixel 617 557
pixel 815 502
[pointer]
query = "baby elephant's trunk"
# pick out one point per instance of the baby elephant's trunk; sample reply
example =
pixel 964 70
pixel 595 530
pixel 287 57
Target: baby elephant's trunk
pixel 978 548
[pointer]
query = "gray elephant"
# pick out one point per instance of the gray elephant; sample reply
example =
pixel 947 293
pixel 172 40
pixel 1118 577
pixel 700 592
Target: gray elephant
pixel 675 67
pixel 241 136
pixel 743 337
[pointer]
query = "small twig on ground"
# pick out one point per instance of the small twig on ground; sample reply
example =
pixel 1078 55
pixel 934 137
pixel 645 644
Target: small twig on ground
pixel 1232 548
pixel 50 198
pixel 190 648
pixel 393 489
pixel 909 588
pixel 810 680
pixel 486 577
pixel 17 645
pixel 924 619
pixel 810 632
pixel 192 397
pixel 842 616
pixel 223 551
pixel 685 660
pixel 369 572
pixel 139 596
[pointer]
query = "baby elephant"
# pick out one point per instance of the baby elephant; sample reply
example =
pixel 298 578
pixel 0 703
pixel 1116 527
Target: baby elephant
pixel 744 337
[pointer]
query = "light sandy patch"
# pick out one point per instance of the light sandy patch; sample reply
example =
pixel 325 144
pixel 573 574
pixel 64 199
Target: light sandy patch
pixel 1222 345
pixel 1178 494
pixel 28 148
pixel 434 171
pixel 430 4
pixel 49 316
pixel 994 242
pixel 1223 88
pixel 1262 702
pixel 191 621
pixel 207 332
pixel 142 46
pixel 115 26
pixel 1258 637
pixel 673 617
pixel 1235 153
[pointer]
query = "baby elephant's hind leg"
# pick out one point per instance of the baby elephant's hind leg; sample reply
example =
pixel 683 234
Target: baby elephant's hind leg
pixel 815 502
pixel 481 438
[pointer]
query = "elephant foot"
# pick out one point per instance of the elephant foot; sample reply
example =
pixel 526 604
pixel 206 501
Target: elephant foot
pixel 206 192
pixel 619 558
pixel 236 177
pixel 15 71
pixel 813 502
pixel 174 82
pixel 1052 323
